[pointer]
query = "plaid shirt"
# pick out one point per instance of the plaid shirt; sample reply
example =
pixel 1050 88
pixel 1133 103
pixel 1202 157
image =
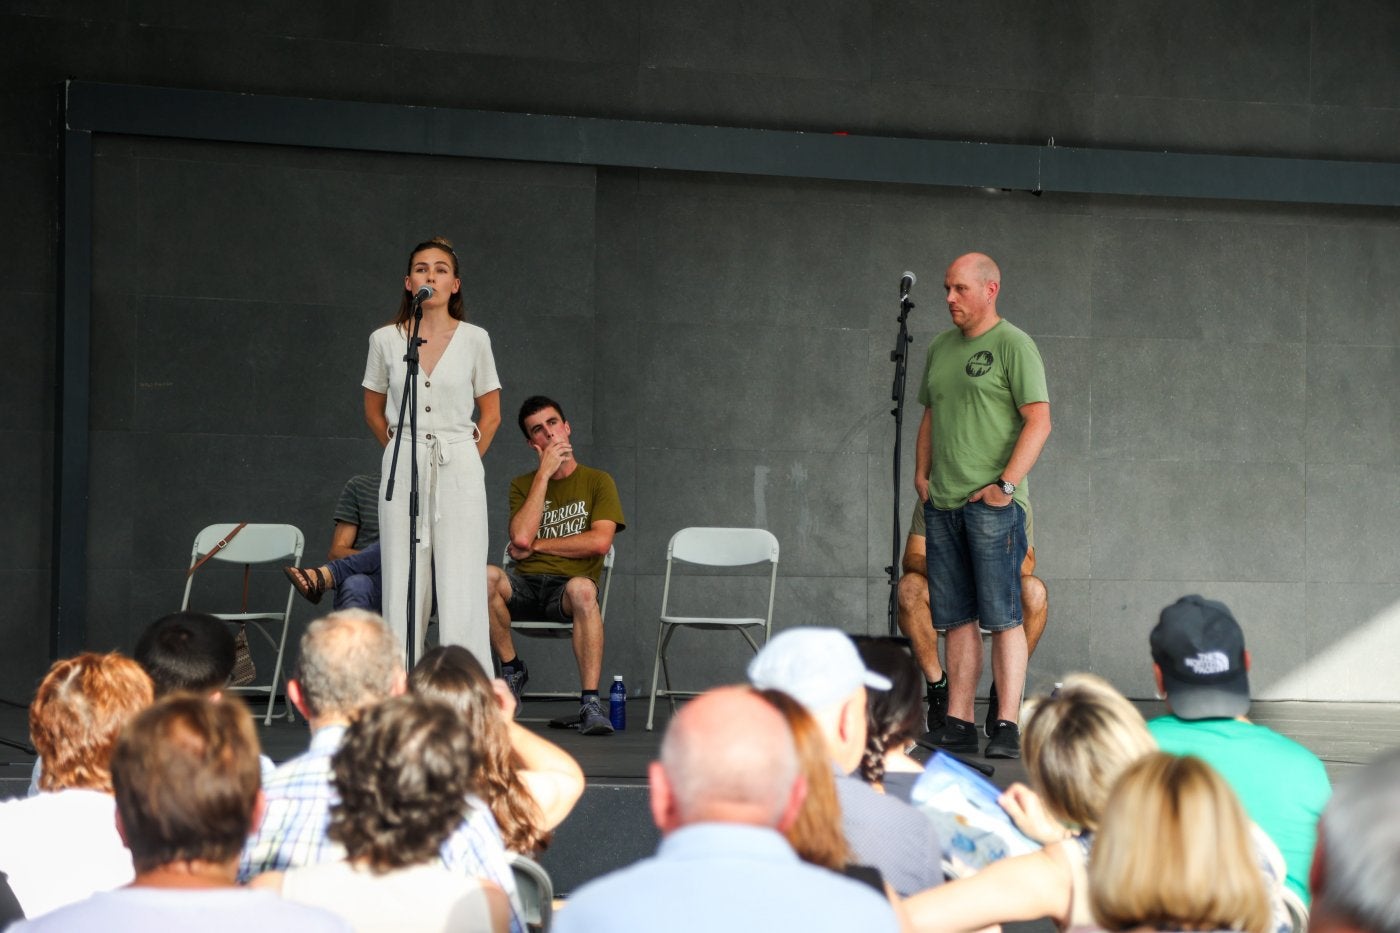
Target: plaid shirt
pixel 293 830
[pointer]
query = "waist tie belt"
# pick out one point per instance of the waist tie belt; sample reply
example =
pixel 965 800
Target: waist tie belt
pixel 440 446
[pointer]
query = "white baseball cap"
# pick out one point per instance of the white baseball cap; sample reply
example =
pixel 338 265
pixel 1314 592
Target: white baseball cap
pixel 817 667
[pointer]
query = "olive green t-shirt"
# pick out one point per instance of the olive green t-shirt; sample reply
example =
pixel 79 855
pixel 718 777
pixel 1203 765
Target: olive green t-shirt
pixel 975 389
pixel 571 506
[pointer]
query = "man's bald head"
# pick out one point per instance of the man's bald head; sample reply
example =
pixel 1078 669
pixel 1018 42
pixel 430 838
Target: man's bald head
pixel 727 757
pixel 972 284
pixel 979 266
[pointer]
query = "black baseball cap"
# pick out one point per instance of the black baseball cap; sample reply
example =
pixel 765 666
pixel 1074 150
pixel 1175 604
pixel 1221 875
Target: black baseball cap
pixel 1199 647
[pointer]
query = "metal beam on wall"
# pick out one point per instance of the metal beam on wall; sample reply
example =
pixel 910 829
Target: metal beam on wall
pixel 91 108
pixel 68 570
pixel 331 124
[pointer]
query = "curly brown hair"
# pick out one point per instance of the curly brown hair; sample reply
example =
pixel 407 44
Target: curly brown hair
pixel 403 773
pixel 78 712
pixel 452 674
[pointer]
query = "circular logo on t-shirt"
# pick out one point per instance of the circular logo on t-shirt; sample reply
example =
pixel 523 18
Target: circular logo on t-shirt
pixel 980 364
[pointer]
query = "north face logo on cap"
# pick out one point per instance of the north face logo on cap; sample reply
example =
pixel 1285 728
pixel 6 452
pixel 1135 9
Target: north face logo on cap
pixel 1208 662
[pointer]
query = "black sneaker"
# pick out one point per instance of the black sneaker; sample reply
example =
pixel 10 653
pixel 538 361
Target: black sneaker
pixel 591 718
pixel 937 705
pixel 958 735
pixel 516 679
pixel 992 709
pixel 1005 741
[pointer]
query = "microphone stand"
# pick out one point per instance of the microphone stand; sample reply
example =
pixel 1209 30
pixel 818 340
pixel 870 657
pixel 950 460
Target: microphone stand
pixel 900 357
pixel 410 405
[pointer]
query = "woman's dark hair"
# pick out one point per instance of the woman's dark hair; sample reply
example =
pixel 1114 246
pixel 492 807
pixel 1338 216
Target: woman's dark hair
pixel 894 715
pixel 453 675
pixel 454 303
pixel 403 774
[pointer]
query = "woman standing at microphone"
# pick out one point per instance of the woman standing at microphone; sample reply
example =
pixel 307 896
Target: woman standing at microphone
pixel 457 374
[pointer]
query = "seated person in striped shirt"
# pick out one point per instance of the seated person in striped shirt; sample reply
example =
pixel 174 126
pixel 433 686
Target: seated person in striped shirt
pixel 349 662
pixel 353 570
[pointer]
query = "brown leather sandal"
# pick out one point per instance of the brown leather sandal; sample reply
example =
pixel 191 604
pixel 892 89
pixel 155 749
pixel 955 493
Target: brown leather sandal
pixel 308 582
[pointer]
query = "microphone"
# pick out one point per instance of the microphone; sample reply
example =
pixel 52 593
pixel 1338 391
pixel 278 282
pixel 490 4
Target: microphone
pixel 423 294
pixel 905 283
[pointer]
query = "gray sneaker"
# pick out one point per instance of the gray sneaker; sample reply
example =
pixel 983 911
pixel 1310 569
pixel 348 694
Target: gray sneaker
pixel 591 718
pixel 516 680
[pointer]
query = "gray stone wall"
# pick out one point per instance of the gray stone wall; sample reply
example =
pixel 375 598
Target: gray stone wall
pixel 1223 374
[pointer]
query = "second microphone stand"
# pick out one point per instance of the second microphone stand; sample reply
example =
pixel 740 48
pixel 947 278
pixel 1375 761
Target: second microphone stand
pixel 409 405
pixel 900 357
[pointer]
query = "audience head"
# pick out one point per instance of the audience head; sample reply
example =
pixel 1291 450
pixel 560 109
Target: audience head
pixel 189 651
pixel 535 404
pixel 1356 871
pixel 1174 852
pixel 1076 743
pixel 816 833
pixel 452 674
pixel 349 661
pixel 187 779
pixel 78 711
pixel 727 758
pixel 820 668
pixel 1199 659
pixel 894 716
pixel 403 773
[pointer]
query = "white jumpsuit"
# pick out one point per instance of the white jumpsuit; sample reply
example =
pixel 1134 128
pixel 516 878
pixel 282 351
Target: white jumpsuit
pixel 452 490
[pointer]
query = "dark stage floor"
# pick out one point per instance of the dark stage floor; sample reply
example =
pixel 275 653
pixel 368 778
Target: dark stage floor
pixel 1343 735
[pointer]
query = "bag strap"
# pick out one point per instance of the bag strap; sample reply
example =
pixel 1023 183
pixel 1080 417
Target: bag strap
pixel 223 543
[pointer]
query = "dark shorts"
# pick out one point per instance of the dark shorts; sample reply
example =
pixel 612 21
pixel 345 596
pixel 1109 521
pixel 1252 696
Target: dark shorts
pixel 537 597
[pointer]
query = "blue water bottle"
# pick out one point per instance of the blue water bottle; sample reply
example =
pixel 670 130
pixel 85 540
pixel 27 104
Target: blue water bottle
pixel 617 704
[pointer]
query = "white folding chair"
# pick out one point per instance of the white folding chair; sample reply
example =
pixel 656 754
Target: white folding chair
pixel 548 628
pixel 536 892
pixel 710 547
pixel 279 545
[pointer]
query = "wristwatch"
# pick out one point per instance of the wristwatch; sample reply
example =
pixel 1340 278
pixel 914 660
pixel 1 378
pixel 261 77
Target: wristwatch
pixel 1005 487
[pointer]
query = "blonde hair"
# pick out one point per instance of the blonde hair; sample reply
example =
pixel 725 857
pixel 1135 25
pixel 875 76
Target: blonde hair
pixel 1077 742
pixel 816 834
pixel 1175 852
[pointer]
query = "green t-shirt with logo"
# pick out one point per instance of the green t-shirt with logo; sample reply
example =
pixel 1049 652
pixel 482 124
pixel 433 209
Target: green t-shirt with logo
pixel 571 506
pixel 975 389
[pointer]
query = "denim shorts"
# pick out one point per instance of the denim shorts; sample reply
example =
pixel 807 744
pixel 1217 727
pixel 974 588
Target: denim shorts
pixel 974 565
pixel 537 597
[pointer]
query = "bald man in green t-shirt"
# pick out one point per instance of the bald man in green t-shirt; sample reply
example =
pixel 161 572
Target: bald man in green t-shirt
pixel 563 517
pixel 986 419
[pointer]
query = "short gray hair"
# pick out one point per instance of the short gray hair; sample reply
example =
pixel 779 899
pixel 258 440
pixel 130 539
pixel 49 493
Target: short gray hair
pixel 1360 838
pixel 349 660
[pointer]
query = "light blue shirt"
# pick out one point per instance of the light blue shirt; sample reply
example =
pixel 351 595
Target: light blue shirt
pixel 718 876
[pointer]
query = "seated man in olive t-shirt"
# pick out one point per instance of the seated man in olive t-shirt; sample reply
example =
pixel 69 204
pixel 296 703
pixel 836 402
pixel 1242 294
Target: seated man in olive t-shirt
pixel 562 520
